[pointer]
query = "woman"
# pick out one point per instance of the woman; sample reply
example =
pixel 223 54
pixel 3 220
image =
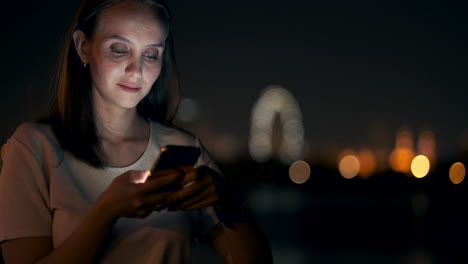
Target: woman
pixel 76 188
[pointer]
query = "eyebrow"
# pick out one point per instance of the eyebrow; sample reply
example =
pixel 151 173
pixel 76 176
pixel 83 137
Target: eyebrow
pixel 118 37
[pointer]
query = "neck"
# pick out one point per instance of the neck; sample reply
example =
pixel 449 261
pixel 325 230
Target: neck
pixel 115 124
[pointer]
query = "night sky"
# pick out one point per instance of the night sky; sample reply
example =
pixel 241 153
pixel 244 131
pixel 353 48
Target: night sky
pixel 359 70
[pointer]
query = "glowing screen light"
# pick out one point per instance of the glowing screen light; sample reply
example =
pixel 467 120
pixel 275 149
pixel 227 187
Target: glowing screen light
pixel 457 173
pixel 299 172
pixel 420 166
pixel 349 166
pixel 276 101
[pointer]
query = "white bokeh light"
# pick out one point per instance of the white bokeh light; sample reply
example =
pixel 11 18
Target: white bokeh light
pixel 275 100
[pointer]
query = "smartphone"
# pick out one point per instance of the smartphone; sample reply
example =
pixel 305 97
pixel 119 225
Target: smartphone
pixel 172 157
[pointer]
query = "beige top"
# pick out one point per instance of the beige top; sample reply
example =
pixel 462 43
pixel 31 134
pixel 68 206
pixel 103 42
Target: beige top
pixel 45 191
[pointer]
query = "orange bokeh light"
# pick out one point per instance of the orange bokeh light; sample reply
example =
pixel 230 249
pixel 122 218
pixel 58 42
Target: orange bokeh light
pixel 457 173
pixel 400 160
pixel 299 172
pixel 368 163
pixel 401 157
pixel 349 166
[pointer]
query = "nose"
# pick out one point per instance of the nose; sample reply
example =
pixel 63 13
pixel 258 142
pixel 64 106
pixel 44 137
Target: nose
pixel 134 67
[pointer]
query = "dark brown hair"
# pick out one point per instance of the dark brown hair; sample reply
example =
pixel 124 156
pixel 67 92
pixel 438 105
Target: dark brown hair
pixel 71 113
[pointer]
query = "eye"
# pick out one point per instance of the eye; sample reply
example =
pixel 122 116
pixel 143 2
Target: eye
pixel 151 57
pixel 118 50
pixel 151 54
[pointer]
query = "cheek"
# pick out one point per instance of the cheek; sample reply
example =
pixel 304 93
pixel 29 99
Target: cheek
pixel 104 71
pixel 152 75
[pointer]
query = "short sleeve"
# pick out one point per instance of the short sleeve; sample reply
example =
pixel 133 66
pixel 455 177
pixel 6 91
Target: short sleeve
pixel 24 194
pixel 205 158
pixel 203 220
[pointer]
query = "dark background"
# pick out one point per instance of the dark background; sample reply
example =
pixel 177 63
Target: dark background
pixel 359 70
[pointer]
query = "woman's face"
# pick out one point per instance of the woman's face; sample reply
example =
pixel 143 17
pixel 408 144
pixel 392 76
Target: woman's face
pixel 125 54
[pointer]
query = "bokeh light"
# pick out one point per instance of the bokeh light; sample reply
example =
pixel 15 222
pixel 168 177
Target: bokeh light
pixel 401 157
pixel 299 172
pixel 400 160
pixel 349 166
pixel 420 166
pixel 368 163
pixel 457 173
pixel 276 101
pixel 404 139
pixel 427 145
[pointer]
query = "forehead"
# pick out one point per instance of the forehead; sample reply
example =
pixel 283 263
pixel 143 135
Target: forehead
pixel 131 19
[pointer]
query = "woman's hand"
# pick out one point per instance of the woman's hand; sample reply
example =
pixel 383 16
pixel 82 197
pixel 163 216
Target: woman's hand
pixel 132 195
pixel 200 188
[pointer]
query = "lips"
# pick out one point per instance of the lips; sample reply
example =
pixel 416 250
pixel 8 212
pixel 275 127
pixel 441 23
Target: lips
pixel 129 87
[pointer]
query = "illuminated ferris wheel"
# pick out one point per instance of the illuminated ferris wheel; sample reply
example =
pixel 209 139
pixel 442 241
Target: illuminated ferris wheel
pixel 276 100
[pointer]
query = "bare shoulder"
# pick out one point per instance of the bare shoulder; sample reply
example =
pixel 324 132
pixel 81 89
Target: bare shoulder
pixel 26 250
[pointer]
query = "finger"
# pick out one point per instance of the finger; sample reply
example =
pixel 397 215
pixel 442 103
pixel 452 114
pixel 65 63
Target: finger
pixel 189 176
pixel 197 175
pixel 206 194
pixel 158 198
pixel 159 182
pixel 142 213
pixel 138 176
pixel 157 207
pixel 187 192
pixel 164 172
pixel 186 168
pixel 156 202
pixel 202 204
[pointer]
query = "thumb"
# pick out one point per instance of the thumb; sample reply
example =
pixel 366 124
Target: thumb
pixel 139 176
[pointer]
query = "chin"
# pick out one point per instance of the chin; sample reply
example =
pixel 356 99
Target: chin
pixel 129 105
